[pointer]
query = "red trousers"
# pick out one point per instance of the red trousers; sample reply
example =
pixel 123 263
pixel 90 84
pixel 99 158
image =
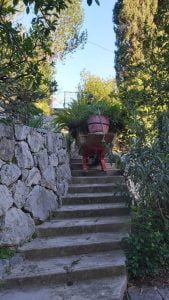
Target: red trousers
pixel 92 150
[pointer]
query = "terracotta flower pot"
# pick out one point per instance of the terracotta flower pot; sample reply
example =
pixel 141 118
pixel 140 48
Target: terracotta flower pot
pixel 98 123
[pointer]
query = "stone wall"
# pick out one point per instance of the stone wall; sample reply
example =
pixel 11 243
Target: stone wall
pixel 34 175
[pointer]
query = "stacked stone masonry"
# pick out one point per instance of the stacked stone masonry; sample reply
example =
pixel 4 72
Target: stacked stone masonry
pixel 34 175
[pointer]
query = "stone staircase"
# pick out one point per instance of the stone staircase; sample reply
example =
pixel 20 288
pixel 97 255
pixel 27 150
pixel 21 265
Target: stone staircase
pixel 77 254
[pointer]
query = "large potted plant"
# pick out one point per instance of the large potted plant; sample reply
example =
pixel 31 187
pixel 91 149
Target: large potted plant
pixel 98 116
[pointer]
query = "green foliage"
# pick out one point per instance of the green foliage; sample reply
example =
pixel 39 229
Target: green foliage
pixel 6 253
pixel 96 88
pixel 46 9
pixel 142 63
pixel 78 112
pixel 21 62
pixel 143 82
pixel 147 248
pixel 89 2
pixel 68 37
pixel 26 55
pixel 130 18
pixel 27 113
pixel 43 105
pixel 103 99
pixel 115 111
pixel 35 121
pixel 148 167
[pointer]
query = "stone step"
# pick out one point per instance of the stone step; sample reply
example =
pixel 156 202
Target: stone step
pixel 78 166
pixel 72 245
pixel 79 160
pixel 91 198
pixel 80 173
pixel 97 179
pixel 92 210
pixel 96 188
pixel 67 269
pixel 75 160
pixel 77 254
pixel 83 225
pixel 106 288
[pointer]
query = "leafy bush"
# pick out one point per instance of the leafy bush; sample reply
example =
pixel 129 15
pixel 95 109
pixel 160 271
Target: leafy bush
pixel 44 106
pixel 25 113
pixel 76 113
pixel 147 248
pixel 35 121
pixel 147 166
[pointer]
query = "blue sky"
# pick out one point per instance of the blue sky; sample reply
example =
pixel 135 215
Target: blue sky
pixel 98 22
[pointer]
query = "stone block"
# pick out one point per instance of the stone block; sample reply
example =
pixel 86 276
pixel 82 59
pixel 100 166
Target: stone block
pixel 6 200
pixel 63 172
pixel 48 178
pixel 25 174
pixel 20 193
pixel 21 132
pixel 4 267
pixel 40 203
pixel 34 177
pixel 9 174
pixel 53 160
pixel 60 140
pixel 2 163
pixel 6 131
pixel 42 159
pixel 62 155
pixel 35 158
pixel 18 228
pixel 35 141
pixel 52 142
pixel 7 148
pixel 23 156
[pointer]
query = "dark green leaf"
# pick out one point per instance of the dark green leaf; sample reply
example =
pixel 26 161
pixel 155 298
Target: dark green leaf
pixel 25 2
pixel 15 2
pixel 97 2
pixel 89 2
pixel 36 8
pixel 27 10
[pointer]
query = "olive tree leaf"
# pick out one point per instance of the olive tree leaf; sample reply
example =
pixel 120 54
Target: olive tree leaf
pixel 27 10
pixel 15 2
pixel 89 2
